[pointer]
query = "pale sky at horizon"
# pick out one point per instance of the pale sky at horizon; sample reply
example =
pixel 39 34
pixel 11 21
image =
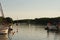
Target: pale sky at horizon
pixel 28 9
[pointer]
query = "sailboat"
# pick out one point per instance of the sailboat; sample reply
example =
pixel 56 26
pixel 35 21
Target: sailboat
pixel 3 28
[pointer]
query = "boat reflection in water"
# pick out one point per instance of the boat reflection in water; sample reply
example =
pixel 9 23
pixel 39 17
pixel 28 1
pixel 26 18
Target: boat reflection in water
pixel 7 36
pixel 3 37
pixel 3 30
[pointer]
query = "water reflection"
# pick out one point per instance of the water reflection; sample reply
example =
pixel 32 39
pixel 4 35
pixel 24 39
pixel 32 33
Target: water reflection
pixel 34 32
pixel 3 37
pixel 57 36
pixel 30 32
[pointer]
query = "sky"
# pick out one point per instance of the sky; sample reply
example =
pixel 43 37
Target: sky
pixel 30 9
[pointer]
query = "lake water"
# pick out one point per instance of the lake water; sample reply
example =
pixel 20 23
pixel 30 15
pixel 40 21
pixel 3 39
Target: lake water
pixel 30 32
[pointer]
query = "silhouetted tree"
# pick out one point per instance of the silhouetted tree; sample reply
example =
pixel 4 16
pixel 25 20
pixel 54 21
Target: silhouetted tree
pixel 8 19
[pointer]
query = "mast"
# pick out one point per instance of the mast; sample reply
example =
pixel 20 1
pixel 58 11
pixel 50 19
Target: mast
pixel 1 10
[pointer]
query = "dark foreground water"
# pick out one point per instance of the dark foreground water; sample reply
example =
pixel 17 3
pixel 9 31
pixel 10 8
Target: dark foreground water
pixel 30 32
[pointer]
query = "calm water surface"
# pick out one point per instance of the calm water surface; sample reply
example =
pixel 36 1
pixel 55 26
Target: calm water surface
pixel 30 32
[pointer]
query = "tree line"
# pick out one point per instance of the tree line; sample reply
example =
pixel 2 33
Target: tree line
pixel 39 21
pixel 6 20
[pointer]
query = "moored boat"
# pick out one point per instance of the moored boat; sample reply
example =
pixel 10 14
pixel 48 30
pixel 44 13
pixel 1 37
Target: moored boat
pixel 4 23
pixel 3 30
pixel 51 27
